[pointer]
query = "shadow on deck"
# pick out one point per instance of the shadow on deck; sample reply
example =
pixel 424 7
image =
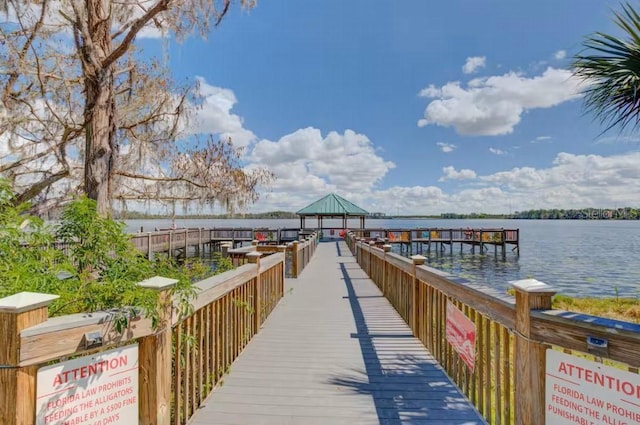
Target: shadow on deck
pixel 335 352
pixel 405 382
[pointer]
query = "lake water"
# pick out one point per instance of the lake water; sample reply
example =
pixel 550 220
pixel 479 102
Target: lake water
pixel 577 257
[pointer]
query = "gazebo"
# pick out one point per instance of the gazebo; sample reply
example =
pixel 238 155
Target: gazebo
pixel 332 206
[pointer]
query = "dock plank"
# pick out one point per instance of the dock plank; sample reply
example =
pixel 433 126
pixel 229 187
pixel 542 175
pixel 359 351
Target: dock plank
pixel 335 352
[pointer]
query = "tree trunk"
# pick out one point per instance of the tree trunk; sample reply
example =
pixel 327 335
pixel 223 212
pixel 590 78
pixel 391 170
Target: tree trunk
pixel 99 108
pixel 99 112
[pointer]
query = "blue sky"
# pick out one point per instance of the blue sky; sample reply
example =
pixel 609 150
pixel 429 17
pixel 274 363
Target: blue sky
pixel 412 106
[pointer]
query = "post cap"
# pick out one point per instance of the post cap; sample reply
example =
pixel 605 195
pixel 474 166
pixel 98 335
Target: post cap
pixel 254 256
pixel 532 285
pixel 25 301
pixel 158 283
pixel 418 260
pixel 386 247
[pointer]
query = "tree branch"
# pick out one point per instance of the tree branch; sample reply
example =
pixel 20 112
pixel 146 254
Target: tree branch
pixel 38 187
pixel 138 24
pixel 24 160
pixel 160 179
pixel 25 49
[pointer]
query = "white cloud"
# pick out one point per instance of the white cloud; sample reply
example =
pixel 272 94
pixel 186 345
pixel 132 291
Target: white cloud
pixel 215 116
pixel 406 200
pixel 541 139
pixel 576 180
pixel 450 173
pixel 446 147
pixel 313 164
pixel 570 181
pixel 497 151
pixel 151 32
pixel 494 105
pixel 474 63
pixel 560 54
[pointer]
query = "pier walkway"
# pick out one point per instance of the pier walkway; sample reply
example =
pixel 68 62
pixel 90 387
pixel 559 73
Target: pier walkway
pixel 335 352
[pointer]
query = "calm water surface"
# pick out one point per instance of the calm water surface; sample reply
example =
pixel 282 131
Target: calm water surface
pixel 578 257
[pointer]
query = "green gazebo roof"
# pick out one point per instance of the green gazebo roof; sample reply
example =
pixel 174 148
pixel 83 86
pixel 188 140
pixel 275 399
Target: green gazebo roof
pixel 332 205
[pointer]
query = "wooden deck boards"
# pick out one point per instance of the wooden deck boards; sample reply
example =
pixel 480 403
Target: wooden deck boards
pixel 335 352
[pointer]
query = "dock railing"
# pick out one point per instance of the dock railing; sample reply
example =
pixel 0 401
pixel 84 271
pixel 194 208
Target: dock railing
pixel 301 253
pixel 180 359
pixel 297 253
pixel 503 372
pixel 181 241
pixel 169 240
pixel 483 238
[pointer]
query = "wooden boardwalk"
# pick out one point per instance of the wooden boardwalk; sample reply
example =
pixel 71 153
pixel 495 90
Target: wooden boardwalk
pixel 335 352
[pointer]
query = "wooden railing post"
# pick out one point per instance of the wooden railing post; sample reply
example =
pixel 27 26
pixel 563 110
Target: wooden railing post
pixel 356 249
pixel 386 248
pixel 417 260
pixel 530 356
pixel 308 251
pixel 294 258
pixel 254 258
pixel 283 250
pixel 18 384
pixel 155 359
pixel 370 262
pixel 224 248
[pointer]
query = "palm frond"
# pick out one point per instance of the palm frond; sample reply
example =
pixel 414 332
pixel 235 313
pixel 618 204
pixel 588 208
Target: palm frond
pixel 611 68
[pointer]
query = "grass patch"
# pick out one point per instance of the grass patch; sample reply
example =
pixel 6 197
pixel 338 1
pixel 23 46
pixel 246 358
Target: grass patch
pixel 620 308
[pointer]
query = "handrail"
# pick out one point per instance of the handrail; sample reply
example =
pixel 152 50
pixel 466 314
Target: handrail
pixel 180 360
pixel 510 333
pixel 297 253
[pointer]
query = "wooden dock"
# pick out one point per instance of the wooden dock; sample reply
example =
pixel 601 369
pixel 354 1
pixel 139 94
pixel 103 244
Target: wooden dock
pixel 335 352
pixel 177 242
pixel 421 239
pixel 329 349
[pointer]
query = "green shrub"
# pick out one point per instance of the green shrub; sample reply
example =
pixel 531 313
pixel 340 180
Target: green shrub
pixel 100 269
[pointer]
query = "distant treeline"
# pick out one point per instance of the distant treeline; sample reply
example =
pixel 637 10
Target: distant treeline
pixel 626 213
pixel 135 215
